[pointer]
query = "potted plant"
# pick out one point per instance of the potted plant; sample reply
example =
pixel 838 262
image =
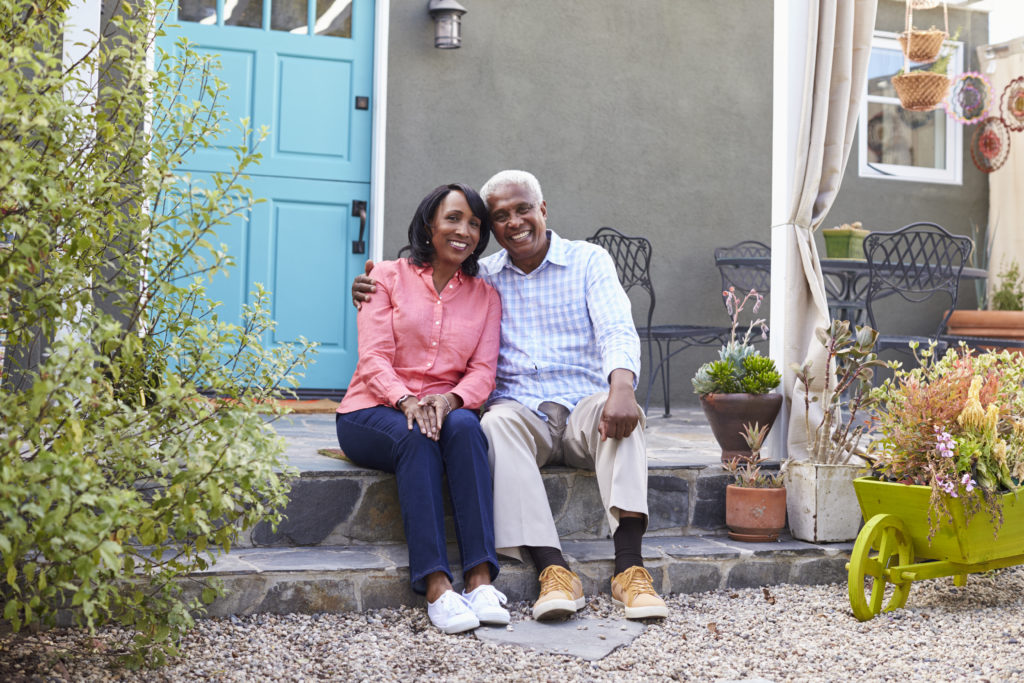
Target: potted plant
pixel 952 431
pixel 845 241
pixel 822 503
pixel 755 505
pixel 734 389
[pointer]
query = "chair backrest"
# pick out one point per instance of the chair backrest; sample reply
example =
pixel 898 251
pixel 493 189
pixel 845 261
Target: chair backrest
pixel 747 276
pixel 916 262
pixel 632 257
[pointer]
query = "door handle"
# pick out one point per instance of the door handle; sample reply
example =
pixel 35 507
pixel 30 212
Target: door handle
pixel 359 209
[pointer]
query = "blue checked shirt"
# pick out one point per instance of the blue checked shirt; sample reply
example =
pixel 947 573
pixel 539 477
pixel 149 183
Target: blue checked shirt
pixel 564 327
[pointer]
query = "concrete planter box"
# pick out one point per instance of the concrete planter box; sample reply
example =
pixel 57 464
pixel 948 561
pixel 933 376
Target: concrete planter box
pixel 821 502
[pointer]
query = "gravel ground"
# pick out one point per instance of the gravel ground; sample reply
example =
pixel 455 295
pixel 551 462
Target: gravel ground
pixel 781 633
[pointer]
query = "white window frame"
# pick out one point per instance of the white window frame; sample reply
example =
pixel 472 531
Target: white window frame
pixel 952 174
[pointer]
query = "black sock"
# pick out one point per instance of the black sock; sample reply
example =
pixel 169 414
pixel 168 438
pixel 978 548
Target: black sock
pixel 627 540
pixel 545 556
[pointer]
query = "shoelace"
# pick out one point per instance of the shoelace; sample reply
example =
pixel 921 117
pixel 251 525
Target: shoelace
pixel 638 582
pixel 490 595
pixel 446 601
pixel 556 578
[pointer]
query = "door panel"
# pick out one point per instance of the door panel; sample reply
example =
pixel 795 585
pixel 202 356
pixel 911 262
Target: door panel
pixel 296 67
pixel 298 245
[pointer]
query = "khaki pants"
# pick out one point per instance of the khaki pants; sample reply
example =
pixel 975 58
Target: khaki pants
pixel 520 442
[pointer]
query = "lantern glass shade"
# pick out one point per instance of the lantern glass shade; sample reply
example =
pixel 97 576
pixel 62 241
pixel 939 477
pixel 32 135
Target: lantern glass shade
pixel 448 31
pixel 447 15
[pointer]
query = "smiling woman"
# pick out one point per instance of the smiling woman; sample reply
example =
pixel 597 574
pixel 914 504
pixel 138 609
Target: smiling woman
pixel 428 351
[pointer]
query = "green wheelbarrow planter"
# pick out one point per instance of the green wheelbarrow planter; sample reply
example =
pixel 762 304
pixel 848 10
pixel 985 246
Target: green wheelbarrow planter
pixel 893 550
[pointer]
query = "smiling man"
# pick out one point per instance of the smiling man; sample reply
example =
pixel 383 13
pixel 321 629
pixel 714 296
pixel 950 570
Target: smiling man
pixel 567 369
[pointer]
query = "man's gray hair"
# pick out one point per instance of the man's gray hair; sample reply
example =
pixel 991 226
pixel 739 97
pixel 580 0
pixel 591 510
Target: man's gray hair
pixel 523 179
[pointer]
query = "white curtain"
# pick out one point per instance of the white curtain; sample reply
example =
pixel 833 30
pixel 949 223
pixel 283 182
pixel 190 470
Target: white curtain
pixel 839 45
pixel 1003 63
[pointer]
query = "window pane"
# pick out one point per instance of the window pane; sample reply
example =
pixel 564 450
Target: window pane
pixel 243 13
pixel 289 15
pixel 906 138
pixel 334 18
pixel 883 65
pixel 202 11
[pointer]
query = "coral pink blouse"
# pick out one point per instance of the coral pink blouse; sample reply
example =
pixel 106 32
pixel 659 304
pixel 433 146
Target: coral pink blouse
pixel 413 340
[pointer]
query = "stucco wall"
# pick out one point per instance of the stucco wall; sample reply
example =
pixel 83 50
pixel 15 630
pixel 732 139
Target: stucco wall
pixel 652 116
pixel 642 116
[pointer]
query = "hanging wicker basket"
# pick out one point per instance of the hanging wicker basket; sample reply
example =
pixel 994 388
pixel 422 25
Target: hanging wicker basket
pixel 922 46
pixel 921 90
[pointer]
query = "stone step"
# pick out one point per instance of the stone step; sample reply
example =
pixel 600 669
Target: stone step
pixel 357 506
pixel 355 578
pixel 334 502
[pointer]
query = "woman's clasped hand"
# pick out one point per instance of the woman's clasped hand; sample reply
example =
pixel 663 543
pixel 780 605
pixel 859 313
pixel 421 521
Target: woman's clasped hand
pixel 429 412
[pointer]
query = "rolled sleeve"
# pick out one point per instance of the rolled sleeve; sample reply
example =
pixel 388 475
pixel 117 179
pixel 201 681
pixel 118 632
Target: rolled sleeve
pixel 612 317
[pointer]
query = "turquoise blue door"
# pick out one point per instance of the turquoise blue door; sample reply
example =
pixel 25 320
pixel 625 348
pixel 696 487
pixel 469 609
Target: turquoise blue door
pixel 303 69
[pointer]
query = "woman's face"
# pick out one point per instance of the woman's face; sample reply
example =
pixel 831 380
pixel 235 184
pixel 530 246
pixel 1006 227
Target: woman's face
pixel 455 232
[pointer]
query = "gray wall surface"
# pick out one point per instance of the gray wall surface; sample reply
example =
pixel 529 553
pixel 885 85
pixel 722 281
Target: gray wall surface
pixel 653 117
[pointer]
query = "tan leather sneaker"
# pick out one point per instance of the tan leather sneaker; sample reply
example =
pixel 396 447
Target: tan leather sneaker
pixel 561 594
pixel 633 590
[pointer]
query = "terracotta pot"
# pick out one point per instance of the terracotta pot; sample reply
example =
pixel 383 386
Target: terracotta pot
pixel 727 413
pixel 1000 324
pixel 755 515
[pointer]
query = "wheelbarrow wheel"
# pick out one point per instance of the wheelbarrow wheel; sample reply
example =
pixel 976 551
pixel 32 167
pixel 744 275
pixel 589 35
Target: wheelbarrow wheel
pixel 882 544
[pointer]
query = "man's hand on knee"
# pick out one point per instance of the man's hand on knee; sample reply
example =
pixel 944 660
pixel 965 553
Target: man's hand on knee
pixel 621 414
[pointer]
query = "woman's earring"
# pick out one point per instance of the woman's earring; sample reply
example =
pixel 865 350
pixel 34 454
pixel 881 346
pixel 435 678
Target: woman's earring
pixel 428 240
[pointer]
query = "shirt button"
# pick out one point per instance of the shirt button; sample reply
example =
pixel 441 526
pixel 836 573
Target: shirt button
pixel 438 322
pixel 433 343
pixel 429 364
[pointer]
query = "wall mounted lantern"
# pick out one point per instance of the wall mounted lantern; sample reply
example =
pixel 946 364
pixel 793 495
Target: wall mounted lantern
pixel 447 15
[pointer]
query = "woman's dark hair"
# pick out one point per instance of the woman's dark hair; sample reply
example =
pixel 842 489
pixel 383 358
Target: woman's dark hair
pixel 422 251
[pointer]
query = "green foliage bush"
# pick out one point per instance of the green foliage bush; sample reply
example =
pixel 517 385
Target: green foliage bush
pixel 119 475
pixel 1008 295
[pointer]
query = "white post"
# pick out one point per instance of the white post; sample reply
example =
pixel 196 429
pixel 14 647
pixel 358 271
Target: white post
pixel 381 24
pixel 790 54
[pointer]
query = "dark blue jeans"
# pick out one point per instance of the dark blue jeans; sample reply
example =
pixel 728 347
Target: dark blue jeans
pixel 379 438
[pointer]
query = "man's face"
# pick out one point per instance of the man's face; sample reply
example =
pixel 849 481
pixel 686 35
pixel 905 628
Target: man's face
pixel 520 225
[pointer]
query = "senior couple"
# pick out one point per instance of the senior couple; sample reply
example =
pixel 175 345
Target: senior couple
pixel 553 360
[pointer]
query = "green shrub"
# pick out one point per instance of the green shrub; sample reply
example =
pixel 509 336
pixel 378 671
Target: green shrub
pixel 1009 294
pixel 119 474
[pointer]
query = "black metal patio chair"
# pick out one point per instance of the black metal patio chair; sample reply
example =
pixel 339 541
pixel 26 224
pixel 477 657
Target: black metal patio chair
pixel 632 257
pixel 916 262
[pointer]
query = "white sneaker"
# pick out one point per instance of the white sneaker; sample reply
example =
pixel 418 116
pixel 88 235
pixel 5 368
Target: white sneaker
pixel 486 602
pixel 451 613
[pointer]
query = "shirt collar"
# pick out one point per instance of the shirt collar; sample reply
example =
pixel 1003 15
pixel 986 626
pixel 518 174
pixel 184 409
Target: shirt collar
pixel 428 270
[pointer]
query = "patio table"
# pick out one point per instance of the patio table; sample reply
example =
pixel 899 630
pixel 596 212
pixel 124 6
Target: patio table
pixel 846 282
